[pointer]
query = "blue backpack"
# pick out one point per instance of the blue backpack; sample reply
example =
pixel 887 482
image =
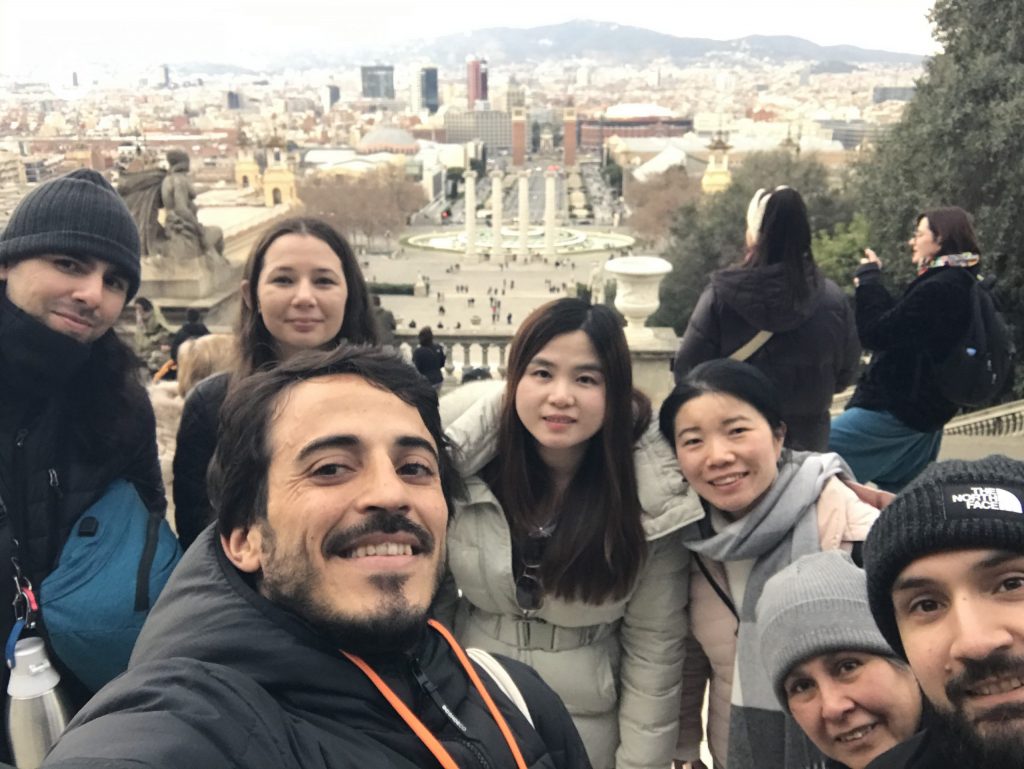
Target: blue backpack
pixel 113 566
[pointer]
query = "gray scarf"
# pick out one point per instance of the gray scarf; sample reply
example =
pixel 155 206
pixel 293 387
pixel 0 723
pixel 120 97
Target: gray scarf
pixel 782 527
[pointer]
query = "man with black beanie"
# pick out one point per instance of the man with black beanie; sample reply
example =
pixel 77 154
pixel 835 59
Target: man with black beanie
pixel 73 415
pixel 945 573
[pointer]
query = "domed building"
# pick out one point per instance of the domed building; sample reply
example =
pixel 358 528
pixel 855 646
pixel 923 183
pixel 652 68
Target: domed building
pixel 387 139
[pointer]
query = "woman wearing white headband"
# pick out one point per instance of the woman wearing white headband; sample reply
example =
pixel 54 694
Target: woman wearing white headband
pixel 779 312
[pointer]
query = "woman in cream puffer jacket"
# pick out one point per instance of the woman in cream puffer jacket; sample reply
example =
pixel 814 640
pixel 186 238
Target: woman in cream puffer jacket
pixel 616 664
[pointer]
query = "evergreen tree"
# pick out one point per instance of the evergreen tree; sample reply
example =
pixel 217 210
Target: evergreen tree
pixel 959 143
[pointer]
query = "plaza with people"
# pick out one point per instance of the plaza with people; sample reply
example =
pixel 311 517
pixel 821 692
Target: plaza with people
pixel 590 560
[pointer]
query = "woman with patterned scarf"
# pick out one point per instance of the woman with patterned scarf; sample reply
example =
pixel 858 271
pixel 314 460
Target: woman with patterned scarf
pixel 892 426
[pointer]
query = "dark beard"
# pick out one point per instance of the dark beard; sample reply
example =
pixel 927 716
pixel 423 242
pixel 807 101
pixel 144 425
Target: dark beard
pixel 1001 742
pixel 395 630
pixel 394 627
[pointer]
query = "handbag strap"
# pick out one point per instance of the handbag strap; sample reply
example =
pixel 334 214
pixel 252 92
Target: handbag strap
pixel 756 343
pixel 496 671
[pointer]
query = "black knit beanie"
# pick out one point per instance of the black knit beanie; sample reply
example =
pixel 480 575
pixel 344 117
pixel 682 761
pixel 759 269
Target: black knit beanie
pixel 953 505
pixel 79 214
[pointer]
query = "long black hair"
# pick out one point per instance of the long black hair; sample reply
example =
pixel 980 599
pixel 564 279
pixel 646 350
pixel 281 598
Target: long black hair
pixel 785 237
pixel 598 545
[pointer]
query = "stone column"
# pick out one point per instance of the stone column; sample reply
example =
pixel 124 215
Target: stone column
pixel 549 214
pixel 497 199
pixel 523 249
pixel 469 179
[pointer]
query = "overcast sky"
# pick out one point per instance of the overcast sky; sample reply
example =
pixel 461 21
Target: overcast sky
pixel 38 37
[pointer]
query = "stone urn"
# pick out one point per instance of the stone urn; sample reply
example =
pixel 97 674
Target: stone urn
pixel 636 293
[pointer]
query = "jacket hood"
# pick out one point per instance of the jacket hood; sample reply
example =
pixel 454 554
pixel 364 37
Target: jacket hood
pixel 763 297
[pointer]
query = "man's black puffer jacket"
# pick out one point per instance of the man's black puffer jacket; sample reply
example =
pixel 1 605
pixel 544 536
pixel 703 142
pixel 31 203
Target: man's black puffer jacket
pixel 223 678
pixel 49 474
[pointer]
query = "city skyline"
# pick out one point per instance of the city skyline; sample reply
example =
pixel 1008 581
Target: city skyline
pixel 125 34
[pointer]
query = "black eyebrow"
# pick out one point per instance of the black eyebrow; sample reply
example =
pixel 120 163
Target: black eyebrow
pixel 290 268
pixel 997 558
pixel 415 442
pixel 328 442
pixel 912 583
pixel 538 361
pixel 727 422
pixel 352 441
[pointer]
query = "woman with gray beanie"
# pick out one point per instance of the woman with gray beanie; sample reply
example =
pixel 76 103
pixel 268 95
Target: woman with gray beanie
pixel 829 665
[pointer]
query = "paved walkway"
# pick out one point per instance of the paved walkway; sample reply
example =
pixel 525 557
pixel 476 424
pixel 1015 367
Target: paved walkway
pixel 518 287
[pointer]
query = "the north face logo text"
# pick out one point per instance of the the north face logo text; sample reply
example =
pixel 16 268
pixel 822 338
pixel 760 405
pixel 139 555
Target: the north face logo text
pixel 987 498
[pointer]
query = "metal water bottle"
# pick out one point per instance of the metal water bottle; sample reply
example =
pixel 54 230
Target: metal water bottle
pixel 37 711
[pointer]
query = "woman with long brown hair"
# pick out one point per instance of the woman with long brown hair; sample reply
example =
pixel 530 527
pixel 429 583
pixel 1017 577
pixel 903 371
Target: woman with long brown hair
pixel 558 564
pixel 301 290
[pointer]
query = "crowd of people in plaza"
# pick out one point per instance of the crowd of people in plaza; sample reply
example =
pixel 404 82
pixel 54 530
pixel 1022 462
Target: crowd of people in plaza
pixel 554 575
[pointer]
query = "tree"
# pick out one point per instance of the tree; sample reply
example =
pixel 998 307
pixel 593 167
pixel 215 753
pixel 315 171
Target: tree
pixel 371 205
pixel 653 204
pixel 958 143
pixel 612 173
pixel 710 233
pixel 839 252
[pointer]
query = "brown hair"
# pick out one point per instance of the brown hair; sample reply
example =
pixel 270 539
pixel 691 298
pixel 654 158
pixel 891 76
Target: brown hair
pixel 951 227
pixel 598 546
pixel 204 356
pixel 256 346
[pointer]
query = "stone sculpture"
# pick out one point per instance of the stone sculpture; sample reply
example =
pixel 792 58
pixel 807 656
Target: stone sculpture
pixel 178 237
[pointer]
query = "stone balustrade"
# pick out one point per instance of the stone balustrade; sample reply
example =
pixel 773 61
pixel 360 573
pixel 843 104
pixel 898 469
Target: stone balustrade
pixel 465 348
pixel 1005 420
pixel 489 349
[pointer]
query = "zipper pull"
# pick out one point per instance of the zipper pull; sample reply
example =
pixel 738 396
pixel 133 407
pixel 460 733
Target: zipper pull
pixel 428 686
pixel 20 436
pixel 55 483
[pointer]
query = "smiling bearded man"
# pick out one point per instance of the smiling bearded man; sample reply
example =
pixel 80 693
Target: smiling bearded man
pixel 295 632
pixel 945 568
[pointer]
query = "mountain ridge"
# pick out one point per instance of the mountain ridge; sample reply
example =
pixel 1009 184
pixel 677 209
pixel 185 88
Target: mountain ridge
pixel 605 43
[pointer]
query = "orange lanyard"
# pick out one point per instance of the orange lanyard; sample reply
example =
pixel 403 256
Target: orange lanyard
pixel 443 756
